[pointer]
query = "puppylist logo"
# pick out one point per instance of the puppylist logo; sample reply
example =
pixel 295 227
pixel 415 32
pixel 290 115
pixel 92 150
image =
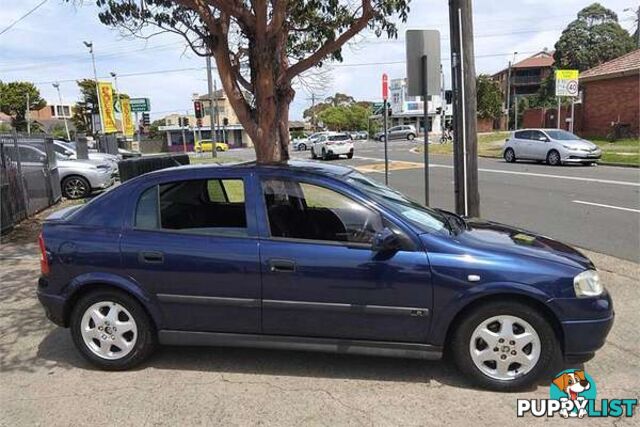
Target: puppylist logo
pixel 573 394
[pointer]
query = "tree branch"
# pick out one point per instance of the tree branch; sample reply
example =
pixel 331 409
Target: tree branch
pixel 332 45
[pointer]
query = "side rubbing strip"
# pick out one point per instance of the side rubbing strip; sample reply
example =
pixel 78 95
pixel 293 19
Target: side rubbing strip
pixel 216 301
pixel 351 308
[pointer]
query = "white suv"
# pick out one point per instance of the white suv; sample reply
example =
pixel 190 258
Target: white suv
pixel 332 144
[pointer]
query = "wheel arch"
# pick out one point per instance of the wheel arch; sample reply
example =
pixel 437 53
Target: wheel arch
pixel 84 286
pixel 515 296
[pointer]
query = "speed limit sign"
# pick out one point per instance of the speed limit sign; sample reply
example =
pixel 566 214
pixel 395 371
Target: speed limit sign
pixel 572 88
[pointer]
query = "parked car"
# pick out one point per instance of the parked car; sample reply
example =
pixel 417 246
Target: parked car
pixel 407 132
pixel 555 146
pixel 300 144
pixel 359 135
pixel 332 145
pixel 310 256
pixel 206 145
pixel 68 150
pixel 78 178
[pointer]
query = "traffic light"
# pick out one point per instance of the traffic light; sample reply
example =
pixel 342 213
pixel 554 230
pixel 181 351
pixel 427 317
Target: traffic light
pixel 197 107
pixel 146 121
pixel 225 122
pixel 448 96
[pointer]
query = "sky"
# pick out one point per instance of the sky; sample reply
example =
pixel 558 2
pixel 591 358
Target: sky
pixel 47 47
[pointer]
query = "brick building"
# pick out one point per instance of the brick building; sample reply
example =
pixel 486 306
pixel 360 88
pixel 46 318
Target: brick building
pixel 611 94
pixel 526 75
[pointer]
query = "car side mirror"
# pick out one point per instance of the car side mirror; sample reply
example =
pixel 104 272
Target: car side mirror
pixel 42 158
pixel 543 139
pixel 385 241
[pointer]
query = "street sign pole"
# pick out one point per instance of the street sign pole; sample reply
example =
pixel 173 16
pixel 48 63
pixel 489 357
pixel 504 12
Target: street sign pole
pixel 138 129
pixel 558 112
pixel 385 95
pixel 425 108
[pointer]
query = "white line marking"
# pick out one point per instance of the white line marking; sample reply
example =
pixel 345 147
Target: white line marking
pixel 606 206
pixel 541 175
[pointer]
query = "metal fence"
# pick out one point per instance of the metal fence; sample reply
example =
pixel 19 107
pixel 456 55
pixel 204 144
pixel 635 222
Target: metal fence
pixel 29 178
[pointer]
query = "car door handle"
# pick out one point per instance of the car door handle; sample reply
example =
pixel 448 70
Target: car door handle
pixel 151 257
pixel 282 265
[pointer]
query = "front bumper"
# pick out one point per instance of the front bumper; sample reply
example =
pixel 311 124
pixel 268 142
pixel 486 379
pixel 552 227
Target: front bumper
pixel 582 156
pixel 583 337
pixel 102 180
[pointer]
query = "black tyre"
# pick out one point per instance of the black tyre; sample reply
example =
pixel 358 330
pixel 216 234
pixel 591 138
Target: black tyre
pixel 410 137
pixel 302 147
pixel 219 149
pixel 553 158
pixel 325 155
pixel 381 139
pixel 112 330
pixel 509 155
pixel 313 154
pixel 505 345
pixel 350 155
pixel 75 187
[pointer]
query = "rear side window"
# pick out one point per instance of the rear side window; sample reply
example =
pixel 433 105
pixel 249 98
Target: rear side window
pixel 214 206
pixel 523 134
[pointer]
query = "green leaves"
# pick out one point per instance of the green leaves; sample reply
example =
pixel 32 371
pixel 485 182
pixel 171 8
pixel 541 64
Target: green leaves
pixel 595 37
pixel 13 101
pixel 489 97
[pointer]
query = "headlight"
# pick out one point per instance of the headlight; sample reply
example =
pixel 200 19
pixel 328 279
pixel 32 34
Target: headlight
pixel 587 284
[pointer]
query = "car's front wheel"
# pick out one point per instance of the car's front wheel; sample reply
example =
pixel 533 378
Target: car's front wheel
pixel 505 345
pixel 410 137
pixel 112 330
pixel 553 158
pixel 313 154
pixel 302 147
pixel 75 187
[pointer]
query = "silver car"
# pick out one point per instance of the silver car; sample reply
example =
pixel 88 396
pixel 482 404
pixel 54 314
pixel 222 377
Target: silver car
pixel 78 178
pixel 555 146
pixel 68 149
pixel 407 132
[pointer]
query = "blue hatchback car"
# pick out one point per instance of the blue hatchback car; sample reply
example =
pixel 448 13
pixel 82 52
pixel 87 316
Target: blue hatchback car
pixel 309 256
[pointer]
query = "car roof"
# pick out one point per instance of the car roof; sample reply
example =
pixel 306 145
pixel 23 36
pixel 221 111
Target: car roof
pixel 301 166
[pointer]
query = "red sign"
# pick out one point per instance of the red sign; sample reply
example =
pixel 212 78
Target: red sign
pixel 385 87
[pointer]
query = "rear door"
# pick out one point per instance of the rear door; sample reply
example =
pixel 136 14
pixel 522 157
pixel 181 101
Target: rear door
pixel 321 277
pixel 193 244
pixel 522 144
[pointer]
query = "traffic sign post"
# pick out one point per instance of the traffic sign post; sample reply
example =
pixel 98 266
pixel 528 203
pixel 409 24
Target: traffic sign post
pixel 385 96
pixel 566 85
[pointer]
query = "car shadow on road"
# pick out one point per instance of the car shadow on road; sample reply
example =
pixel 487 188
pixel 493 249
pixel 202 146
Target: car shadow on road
pixel 58 349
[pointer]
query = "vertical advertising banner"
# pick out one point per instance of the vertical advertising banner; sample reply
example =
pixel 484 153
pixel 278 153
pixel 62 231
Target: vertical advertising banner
pixel 127 119
pixel 107 113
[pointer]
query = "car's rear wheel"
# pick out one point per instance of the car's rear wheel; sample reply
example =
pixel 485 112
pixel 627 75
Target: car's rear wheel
pixel 219 149
pixel 410 137
pixel 112 330
pixel 505 345
pixel 302 147
pixel 75 187
pixel 509 155
pixel 381 139
pixel 553 158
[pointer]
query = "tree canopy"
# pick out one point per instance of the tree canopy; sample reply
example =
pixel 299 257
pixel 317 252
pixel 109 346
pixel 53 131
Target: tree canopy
pixel 260 46
pixel 13 102
pixel 593 38
pixel 489 97
pixel 345 117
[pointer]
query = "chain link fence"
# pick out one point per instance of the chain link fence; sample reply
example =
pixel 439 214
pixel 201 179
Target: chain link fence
pixel 29 179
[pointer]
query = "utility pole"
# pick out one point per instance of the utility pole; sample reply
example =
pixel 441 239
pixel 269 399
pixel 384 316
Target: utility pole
pixel 463 75
pixel 95 76
pixel 115 81
pixel 210 87
pixel 313 112
pixel 215 99
pixel 64 118
pixel 27 115
pixel 509 87
pixel 443 104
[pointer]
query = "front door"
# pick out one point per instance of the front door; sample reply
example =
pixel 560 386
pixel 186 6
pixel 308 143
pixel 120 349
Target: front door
pixel 539 145
pixel 191 247
pixel 321 278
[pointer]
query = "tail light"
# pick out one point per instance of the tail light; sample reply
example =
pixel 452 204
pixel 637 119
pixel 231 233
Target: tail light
pixel 44 260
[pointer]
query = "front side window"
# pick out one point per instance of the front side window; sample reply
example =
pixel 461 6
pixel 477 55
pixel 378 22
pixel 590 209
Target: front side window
pixel 214 206
pixel 310 212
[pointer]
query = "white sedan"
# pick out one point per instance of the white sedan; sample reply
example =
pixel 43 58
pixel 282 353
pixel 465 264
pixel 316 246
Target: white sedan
pixel 332 145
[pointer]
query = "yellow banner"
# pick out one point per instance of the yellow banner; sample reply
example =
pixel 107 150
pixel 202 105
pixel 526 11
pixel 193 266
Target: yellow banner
pixel 107 113
pixel 566 74
pixel 127 120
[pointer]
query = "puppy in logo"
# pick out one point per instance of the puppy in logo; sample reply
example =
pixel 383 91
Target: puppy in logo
pixel 572 384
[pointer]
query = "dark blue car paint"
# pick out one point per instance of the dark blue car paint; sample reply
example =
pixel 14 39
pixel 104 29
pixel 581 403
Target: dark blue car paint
pixel 224 284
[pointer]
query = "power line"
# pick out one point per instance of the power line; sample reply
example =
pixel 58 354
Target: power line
pixel 10 26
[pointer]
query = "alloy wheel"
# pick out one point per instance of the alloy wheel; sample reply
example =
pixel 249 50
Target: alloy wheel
pixel 109 330
pixel 553 158
pixel 505 347
pixel 75 188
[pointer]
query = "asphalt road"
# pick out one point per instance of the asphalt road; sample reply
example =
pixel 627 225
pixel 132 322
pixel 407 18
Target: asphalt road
pixel 593 207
